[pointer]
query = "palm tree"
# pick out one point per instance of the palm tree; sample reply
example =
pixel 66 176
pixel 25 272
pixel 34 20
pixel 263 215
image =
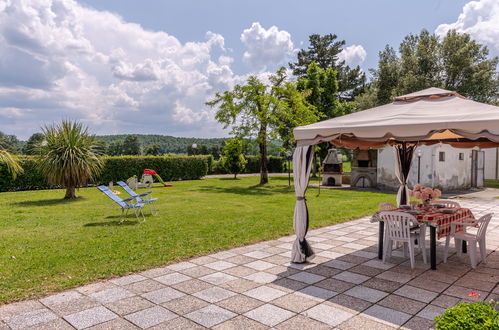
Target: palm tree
pixel 69 158
pixel 12 163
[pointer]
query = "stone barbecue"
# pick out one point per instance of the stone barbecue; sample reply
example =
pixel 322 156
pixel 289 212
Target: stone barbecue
pixel 332 169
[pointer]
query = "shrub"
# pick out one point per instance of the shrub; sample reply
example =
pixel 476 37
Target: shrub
pixel 233 160
pixel 275 165
pixel 479 315
pixel 171 168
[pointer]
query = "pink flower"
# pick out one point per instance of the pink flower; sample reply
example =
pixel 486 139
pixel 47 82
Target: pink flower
pixel 417 195
pixel 438 193
pixel 418 187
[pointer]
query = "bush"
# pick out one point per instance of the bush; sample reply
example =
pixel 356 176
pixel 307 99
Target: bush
pixel 115 169
pixel 464 315
pixel 275 165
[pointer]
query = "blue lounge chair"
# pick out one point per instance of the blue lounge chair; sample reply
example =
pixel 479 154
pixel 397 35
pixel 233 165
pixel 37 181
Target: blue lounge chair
pixel 125 204
pixel 140 197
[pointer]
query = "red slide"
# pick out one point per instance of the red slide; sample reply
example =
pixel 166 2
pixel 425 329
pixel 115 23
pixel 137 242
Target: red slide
pixel 156 175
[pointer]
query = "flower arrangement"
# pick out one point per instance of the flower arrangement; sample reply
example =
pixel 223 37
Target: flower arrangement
pixel 424 193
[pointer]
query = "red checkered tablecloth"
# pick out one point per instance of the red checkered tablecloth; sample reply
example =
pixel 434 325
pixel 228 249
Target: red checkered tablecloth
pixel 441 220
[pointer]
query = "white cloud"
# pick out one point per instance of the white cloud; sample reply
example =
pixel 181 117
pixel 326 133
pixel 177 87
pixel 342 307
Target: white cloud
pixel 59 59
pixel 353 55
pixel 266 48
pixel 480 19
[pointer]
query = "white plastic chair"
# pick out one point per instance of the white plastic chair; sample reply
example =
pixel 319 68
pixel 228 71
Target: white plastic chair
pixel 447 203
pixel 471 238
pixel 398 229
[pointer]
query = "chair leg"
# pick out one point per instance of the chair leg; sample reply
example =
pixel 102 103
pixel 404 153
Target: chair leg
pixel 411 253
pixel 422 247
pixel 143 216
pixel 446 248
pixel 472 246
pixel 388 250
pixel 457 244
pixel 404 249
pixel 483 250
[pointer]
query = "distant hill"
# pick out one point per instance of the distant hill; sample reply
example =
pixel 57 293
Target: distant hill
pixel 169 144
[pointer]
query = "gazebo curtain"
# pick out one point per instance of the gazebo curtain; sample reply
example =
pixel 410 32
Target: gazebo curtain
pixel 302 164
pixel 403 161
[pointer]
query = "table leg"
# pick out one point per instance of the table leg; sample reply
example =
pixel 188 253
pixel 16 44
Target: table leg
pixel 380 239
pixel 464 247
pixel 433 247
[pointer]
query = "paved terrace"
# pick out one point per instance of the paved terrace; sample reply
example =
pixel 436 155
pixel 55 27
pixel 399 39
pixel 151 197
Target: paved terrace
pixel 255 287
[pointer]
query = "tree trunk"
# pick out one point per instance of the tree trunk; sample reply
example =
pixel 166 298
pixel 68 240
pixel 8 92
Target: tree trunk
pixel 235 174
pixel 70 193
pixel 264 173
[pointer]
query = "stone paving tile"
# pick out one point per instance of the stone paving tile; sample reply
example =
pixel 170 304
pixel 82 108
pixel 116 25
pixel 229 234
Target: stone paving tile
pixel 111 295
pixel 300 322
pixel 284 271
pixel 181 266
pixel 445 301
pixel 368 294
pixel 180 323
pixel 197 271
pixel 259 265
pixel 129 305
pixel 218 278
pixel 30 318
pixel 350 303
pixel 351 277
pixel 387 315
pixel 192 286
pixel 262 277
pixel 185 304
pixel 19 308
pixel 240 285
pixel 418 323
pixel 220 265
pixel 276 259
pixel 364 322
pixel 402 304
pixel 149 317
pixel 338 264
pixel 334 285
pixel 295 302
pixel 317 293
pixel 115 324
pixel 210 316
pixel 242 259
pixel 202 260
pixel 306 277
pixel 240 271
pixel 265 293
pixel 395 277
pixel 324 271
pixel 90 317
pixel 476 284
pixel 74 306
pixel 240 322
pixel 240 303
pixel 269 315
pixel 156 272
pixel 214 294
pixel 328 314
pixel 95 287
pixel 127 279
pixel 430 312
pixel 463 293
pixel 144 286
pixel 172 278
pixel 163 295
pixel 63 297
pixel 257 254
pixel 433 285
pixel 416 293
pixel 290 284
pixel 366 270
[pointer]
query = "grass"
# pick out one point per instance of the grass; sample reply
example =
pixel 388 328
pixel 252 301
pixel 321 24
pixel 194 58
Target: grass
pixel 49 244
pixel 490 183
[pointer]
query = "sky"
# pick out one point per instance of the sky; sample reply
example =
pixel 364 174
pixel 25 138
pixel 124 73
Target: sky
pixel 148 67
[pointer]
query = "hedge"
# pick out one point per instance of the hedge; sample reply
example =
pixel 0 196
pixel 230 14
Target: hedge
pixel 115 169
pixel 275 165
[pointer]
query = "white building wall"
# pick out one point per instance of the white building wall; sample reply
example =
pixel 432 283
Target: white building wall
pixel 491 164
pixel 451 174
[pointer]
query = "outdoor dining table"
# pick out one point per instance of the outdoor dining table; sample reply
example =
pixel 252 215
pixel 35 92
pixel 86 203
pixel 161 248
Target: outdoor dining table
pixel 437 219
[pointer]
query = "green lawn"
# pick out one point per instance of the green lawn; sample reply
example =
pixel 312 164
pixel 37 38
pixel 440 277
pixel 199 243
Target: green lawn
pixel 48 244
pixel 489 183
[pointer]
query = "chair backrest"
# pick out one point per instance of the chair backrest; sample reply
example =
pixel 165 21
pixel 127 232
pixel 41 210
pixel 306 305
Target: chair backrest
pixel 387 206
pixel 111 195
pixel 447 203
pixel 126 188
pixel 398 224
pixel 483 223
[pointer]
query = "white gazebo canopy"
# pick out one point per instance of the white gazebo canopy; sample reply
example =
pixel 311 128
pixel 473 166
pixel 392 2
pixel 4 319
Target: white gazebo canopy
pixel 429 116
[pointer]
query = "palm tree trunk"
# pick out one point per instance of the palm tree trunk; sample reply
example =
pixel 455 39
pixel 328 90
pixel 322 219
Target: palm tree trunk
pixel 70 193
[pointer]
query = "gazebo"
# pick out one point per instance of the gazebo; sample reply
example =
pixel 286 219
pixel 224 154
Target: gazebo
pixel 425 117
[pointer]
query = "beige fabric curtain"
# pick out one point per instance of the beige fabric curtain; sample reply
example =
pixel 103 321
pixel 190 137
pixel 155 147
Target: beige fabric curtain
pixel 302 165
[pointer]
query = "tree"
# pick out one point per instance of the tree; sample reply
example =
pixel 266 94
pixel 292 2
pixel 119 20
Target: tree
pixel 253 110
pixel 13 166
pixel 34 144
pixel 233 160
pixel 324 51
pixel 131 145
pixel 153 149
pixel 115 148
pixel 9 143
pixel 454 62
pixel 69 158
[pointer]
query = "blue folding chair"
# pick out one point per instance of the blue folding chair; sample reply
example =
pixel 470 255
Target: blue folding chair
pixel 140 197
pixel 124 204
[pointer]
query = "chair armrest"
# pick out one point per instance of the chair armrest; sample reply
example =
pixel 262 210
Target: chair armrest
pixel 145 194
pixel 128 199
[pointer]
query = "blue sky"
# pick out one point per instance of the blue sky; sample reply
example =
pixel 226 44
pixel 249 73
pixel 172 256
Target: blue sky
pixel 149 66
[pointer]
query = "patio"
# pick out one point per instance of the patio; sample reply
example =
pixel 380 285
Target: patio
pixel 255 287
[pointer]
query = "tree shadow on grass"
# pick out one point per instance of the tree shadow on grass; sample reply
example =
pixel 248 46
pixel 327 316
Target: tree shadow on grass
pixel 112 223
pixel 49 202
pixel 251 190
